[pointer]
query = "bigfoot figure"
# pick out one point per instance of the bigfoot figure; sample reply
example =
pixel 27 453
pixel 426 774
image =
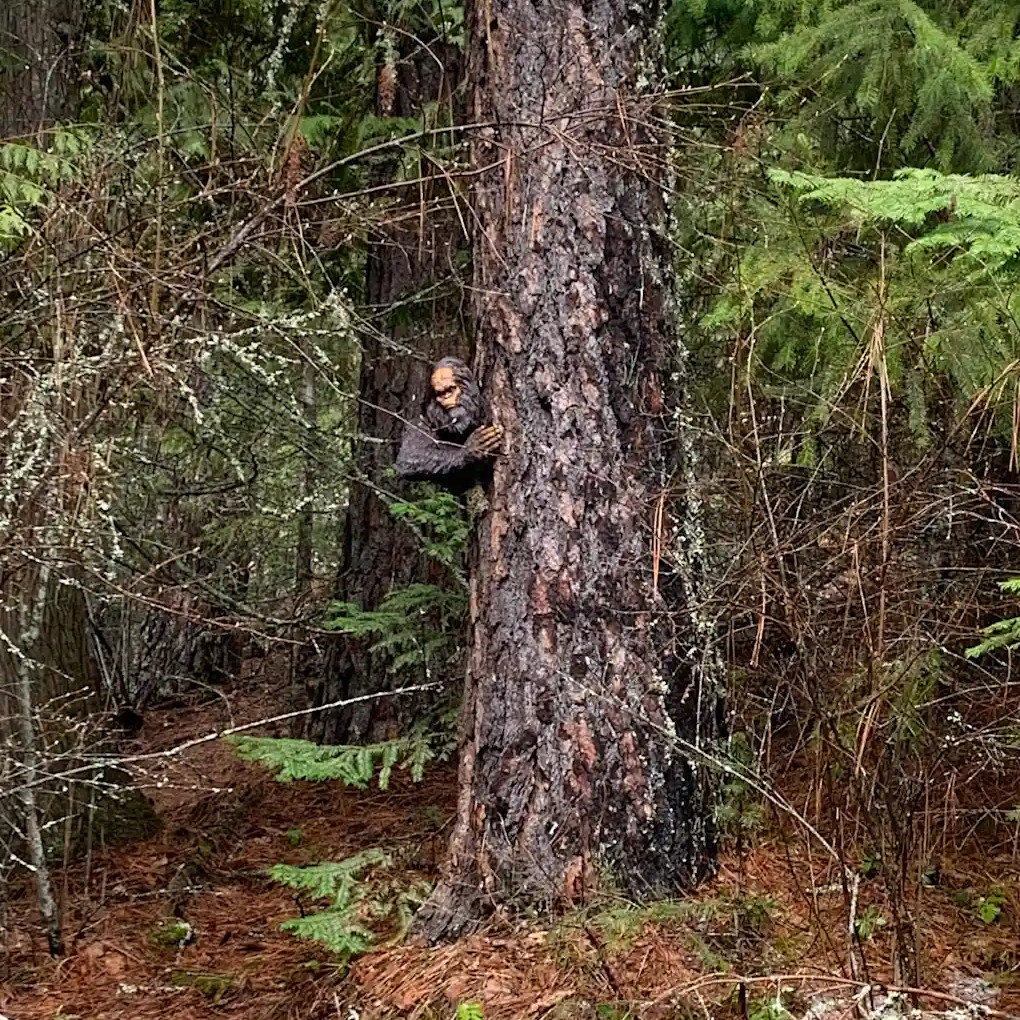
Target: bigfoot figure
pixel 449 445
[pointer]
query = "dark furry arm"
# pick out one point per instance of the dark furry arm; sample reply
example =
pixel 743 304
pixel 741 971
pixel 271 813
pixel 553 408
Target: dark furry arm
pixel 423 458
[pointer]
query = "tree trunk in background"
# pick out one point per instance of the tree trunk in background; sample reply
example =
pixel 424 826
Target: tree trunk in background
pixel 39 51
pixel 41 603
pixel 381 553
pixel 588 678
pixel 50 684
pixel 306 520
pixel 39 56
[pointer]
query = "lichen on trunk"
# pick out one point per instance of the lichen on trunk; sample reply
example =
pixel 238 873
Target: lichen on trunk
pixel 590 698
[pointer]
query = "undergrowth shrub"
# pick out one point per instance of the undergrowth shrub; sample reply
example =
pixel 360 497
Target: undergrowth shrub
pixel 417 625
pixel 365 896
pixel 365 899
pixel 431 740
pixel 865 439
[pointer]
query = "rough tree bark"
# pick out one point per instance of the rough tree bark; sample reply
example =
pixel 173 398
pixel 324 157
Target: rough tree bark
pixel 416 251
pixel 39 54
pixel 590 691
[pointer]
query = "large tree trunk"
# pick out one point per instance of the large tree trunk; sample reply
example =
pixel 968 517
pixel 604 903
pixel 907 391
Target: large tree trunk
pixel 413 261
pixel 590 693
pixel 39 54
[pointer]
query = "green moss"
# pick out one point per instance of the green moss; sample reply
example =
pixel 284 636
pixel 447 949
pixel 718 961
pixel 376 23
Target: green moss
pixel 125 817
pixel 212 986
pixel 172 932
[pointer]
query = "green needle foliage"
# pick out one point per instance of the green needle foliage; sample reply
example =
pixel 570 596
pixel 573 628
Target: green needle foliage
pixel 911 279
pixel 1003 634
pixel 354 765
pixel 902 70
pixel 30 177
pixel 441 523
pixel 864 85
pixel 339 926
pixel 418 626
pixel 414 625
pixel 365 898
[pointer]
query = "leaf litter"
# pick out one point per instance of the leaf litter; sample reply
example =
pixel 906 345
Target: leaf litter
pixel 761 940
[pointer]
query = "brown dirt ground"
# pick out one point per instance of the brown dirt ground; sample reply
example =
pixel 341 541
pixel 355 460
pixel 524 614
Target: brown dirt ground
pixel 610 961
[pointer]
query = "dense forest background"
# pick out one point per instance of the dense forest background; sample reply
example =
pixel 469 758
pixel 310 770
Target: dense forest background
pixel 235 234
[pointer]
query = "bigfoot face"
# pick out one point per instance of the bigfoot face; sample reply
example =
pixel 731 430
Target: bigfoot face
pixel 446 388
pixel 454 405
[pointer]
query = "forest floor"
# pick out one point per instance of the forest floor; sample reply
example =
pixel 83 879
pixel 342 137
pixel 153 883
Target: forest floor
pixel 771 924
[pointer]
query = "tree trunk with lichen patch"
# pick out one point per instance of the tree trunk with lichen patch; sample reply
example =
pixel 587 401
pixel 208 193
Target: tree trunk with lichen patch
pixel 591 694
